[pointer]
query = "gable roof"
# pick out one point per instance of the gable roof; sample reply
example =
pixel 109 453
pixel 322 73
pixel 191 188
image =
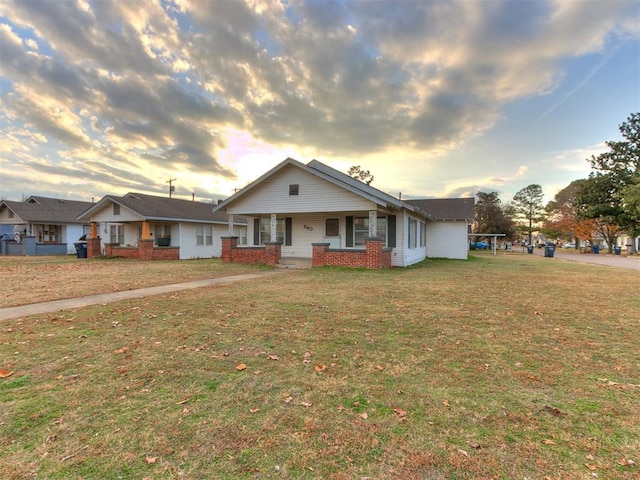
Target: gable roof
pixel 334 176
pixel 446 208
pixel 36 209
pixel 151 207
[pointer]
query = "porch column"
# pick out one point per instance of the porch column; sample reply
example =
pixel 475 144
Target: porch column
pixel 93 232
pixel 274 236
pixel 146 231
pixel 231 225
pixel 373 223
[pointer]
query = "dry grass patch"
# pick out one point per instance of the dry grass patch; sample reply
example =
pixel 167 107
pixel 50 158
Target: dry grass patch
pixel 38 279
pixel 493 368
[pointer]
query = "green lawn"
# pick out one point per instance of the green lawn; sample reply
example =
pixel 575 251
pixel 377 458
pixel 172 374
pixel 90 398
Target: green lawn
pixel 506 367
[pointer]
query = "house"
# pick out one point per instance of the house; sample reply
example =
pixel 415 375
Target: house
pixel 143 226
pixel 42 225
pixel 317 213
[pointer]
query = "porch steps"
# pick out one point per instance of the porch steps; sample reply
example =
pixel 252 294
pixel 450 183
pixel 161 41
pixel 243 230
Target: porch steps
pixel 294 262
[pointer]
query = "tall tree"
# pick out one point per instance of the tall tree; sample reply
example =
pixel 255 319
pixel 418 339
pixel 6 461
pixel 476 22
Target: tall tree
pixel 529 208
pixel 493 217
pixel 621 166
pixel 355 171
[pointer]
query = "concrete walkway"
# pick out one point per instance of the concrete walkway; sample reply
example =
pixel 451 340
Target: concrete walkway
pixel 102 298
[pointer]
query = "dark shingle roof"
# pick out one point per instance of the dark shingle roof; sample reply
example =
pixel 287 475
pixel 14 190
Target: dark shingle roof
pixel 446 208
pixel 47 210
pixel 150 207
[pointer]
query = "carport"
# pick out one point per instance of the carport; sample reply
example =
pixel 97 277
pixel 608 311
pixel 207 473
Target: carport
pixel 494 239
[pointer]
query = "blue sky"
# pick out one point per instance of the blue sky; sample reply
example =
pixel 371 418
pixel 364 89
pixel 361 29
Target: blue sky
pixel 436 99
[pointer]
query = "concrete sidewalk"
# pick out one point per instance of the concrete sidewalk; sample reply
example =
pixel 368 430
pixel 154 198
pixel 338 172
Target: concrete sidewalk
pixel 102 298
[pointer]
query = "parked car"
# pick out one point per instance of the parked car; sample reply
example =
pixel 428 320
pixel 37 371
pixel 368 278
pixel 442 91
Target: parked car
pixel 480 245
pixel 569 245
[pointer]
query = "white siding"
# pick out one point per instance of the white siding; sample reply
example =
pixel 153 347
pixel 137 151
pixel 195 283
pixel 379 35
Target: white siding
pixel 187 241
pixel 106 215
pixel 402 255
pixel 70 235
pixel 315 195
pixel 447 240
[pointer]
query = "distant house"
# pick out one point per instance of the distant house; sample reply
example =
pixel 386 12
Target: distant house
pixel 314 212
pixel 42 225
pixel 137 225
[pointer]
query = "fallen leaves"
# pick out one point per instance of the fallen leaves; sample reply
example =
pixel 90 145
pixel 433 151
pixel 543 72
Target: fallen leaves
pixel 320 367
pixel 4 373
pixel 150 460
pixel 240 367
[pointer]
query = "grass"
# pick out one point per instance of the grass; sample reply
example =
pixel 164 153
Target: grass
pixel 506 367
pixel 38 279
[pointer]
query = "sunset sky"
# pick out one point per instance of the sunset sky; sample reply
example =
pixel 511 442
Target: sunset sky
pixel 434 98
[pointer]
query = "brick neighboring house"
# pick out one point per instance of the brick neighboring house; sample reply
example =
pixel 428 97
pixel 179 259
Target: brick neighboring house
pixel 143 226
pixel 43 225
pixel 318 214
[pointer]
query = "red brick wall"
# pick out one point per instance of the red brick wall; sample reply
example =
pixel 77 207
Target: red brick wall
pixel 374 256
pixel 268 255
pixel 144 251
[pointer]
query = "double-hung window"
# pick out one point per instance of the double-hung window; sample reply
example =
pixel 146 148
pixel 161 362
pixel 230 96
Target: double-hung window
pixel 413 233
pixel 204 235
pixel 361 230
pixel 265 230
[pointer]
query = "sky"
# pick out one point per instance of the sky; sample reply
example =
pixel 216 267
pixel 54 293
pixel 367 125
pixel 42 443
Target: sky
pixel 434 98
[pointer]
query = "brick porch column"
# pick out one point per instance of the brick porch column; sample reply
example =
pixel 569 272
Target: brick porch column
pixel 273 252
pixel 374 246
pixel 319 255
pixel 229 244
pixel 145 249
pixel 93 247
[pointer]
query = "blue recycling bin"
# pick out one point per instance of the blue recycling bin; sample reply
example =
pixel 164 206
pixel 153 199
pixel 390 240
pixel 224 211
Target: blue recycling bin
pixel 549 250
pixel 81 249
pixel 530 249
pixel 595 249
pixel 617 250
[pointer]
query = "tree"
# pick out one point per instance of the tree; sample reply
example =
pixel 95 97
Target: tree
pixel 621 167
pixel 562 219
pixel 359 174
pixel 528 207
pixel 492 217
pixel 596 200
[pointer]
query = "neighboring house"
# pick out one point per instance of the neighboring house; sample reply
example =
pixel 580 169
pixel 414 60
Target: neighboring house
pixel 173 228
pixel 45 226
pixel 317 213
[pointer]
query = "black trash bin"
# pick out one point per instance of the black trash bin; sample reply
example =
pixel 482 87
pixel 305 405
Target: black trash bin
pixel 530 249
pixel 81 249
pixel 548 250
pixel 617 250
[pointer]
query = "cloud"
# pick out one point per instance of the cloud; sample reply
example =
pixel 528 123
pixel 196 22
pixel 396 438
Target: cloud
pixel 150 85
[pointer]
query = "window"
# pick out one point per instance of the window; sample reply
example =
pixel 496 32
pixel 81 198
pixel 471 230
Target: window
pixel 204 235
pixel 361 230
pixel 116 209
pixel 293 189
pixel 332 227
pixel 48 233
pixel 265 230
pixel 423 234
pixel 116 234
pixel 162 231
pixel 240 231
pixel 413 233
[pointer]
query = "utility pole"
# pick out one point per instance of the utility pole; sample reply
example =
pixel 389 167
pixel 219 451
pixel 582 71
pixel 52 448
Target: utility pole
pixel 171 187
